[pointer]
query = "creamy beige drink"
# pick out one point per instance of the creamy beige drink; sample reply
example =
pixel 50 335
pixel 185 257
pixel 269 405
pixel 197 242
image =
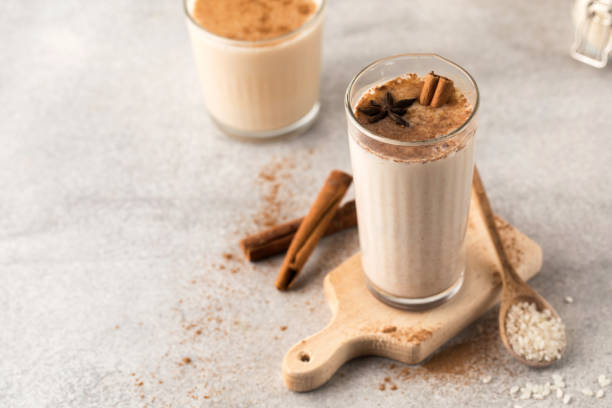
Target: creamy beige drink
pixel 412 167
pixel 259 62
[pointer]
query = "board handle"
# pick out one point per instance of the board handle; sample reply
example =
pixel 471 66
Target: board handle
pixel 313 361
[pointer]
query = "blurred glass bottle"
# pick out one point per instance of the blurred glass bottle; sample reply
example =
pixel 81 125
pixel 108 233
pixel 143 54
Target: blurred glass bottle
pixel 593 35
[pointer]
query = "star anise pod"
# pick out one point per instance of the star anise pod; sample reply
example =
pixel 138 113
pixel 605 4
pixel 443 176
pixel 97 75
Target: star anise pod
pixel 395 110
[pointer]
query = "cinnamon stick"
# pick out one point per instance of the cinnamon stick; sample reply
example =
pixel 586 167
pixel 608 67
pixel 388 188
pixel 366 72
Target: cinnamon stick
pixel 313 227
pixel 436 90
pixel 277 239
pixel 444 90
pixel 429 88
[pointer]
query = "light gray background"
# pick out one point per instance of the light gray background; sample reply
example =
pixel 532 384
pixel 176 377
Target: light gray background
pixel 117 196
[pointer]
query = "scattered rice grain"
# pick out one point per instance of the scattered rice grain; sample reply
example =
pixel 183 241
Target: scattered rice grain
pixel 588 392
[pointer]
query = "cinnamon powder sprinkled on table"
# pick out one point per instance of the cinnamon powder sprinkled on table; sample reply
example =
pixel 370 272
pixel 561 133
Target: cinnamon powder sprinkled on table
pixel 279 195
pixel 198 311
pixel 477 352
pixel 270 180
pixel 387 380
pixel 275 184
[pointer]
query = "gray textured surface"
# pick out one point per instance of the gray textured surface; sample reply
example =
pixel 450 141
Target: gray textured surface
pixel 118 197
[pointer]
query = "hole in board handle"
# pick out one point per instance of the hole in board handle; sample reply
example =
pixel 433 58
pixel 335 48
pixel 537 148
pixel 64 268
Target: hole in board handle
pixel 304 357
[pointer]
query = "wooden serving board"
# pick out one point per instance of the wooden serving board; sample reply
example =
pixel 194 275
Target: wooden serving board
pixel 362 325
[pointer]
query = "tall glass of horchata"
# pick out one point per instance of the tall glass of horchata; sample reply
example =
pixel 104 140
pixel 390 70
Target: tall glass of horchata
pixel 412 165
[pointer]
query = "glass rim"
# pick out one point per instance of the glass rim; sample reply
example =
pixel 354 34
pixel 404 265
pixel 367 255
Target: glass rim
pixel 267 41
pixel 387 140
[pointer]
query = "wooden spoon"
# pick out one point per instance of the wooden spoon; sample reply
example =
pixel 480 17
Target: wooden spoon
pixel 514 288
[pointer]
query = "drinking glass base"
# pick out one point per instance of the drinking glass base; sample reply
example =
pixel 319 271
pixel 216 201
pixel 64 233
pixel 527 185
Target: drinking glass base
pixel 295 128
pixel 415 303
